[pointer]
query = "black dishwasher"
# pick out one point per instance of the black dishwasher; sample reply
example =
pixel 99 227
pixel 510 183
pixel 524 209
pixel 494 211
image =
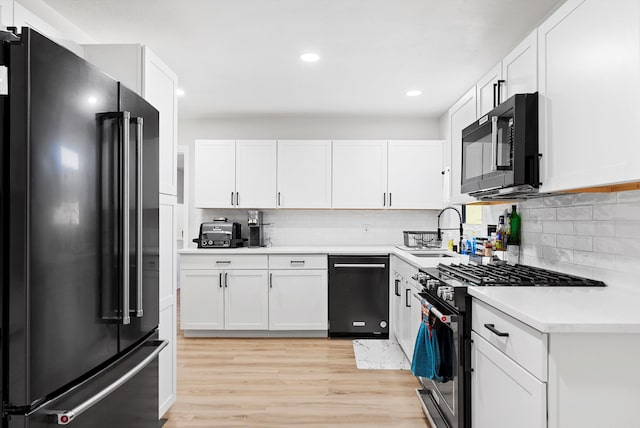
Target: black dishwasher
pixel 359 296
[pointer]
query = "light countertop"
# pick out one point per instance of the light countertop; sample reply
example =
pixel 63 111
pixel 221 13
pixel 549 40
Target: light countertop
pixel 420 262
pixel 567 309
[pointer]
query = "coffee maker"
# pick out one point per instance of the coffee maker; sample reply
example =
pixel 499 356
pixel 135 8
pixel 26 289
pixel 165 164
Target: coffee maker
pixel 256 232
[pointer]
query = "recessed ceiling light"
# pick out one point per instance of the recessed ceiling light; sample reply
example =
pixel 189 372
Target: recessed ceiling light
pixel 310 57
pixel 92 100
pixel 414 93
pixel 179 92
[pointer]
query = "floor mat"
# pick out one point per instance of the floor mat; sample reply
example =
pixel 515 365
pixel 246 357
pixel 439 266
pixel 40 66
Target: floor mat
pixel 379 354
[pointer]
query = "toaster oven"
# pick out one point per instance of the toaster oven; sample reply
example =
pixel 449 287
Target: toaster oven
pixel 219 234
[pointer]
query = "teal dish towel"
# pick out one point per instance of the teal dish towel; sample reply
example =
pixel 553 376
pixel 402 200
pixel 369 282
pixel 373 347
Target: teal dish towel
pixel 426 354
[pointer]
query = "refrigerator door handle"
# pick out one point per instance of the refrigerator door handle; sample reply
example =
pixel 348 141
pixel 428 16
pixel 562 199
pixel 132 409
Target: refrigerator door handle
pixel 64 417
pixel 124 173
pixel 139 140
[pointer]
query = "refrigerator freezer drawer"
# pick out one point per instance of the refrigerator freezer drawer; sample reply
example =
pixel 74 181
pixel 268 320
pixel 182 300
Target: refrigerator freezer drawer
pixel 125 394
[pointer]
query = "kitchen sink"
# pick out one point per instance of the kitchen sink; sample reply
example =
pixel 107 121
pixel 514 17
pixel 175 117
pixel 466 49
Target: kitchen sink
pixel 431 255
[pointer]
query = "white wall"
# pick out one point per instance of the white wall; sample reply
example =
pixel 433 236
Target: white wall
pixel 293 227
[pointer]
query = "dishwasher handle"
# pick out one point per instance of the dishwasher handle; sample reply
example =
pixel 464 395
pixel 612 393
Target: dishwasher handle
pixel 360 265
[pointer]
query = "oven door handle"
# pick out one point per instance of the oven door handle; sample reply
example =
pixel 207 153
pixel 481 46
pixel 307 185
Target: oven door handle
pixel 446 319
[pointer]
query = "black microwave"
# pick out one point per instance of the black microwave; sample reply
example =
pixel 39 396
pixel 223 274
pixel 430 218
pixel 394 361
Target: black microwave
pixel 500 157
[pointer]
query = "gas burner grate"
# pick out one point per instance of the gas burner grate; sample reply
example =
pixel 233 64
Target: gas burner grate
pixel 514 275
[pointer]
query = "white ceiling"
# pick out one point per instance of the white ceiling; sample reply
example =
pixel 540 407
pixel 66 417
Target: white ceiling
pixel 241 57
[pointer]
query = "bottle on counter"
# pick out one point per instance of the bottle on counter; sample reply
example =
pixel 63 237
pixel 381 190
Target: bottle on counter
pixel 515 221
pixel 500 235
pixel 450 245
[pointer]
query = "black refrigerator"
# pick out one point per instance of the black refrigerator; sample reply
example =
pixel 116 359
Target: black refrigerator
pixel 79 217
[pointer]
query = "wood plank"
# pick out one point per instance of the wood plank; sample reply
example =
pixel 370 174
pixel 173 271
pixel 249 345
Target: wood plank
pixel 295 382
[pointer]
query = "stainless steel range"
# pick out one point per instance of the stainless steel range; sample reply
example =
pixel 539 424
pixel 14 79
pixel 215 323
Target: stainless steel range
pixel 447 404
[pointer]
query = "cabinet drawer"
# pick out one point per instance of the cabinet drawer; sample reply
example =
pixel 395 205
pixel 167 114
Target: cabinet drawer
pixel 298 261
pixel 223 261
pixel 525 345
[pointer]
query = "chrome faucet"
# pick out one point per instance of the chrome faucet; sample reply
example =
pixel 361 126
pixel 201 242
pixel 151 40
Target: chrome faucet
pixel 459 228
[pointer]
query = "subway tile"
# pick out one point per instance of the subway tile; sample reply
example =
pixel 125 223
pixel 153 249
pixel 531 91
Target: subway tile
pixel 532 226
pixel 531 251
pixel 604 212
pixel 574 213
pixel 628 212
pixel 559 200
pixel 627 228
pixel 606 245
pixel 548 264
pixel 548 239
pixel 594 228
pixel 593 259
pixel 594 199
pixel 557 254
pixel 542 214
pixel 583 243
pixel 628 196
pixel 531 238
pixel 532 203
pixel 558 227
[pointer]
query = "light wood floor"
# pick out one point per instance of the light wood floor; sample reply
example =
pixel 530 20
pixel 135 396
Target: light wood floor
pixel 287 382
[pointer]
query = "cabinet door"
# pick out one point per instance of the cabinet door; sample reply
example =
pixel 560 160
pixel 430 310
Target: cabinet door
pixel 503 394
pixel 304 174
pixel 159 88
pixel 415 174
pixel 589 71
pixel 246 301
pixel 461 115
pixel 407 340
pixel 214 174
pixel 520 68
pixel 256 174
pixel 166 273
pixel 359 174
pixel 396 307
pixel 486 91
pixel 298 300
pixel 201 299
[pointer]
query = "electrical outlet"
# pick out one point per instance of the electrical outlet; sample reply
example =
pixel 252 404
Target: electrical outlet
pixel 365 227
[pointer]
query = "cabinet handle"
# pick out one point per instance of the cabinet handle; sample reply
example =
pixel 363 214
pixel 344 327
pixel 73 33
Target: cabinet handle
pixel 389 198
pixel 384 199
pixel 396 292
pixel 299 262
pixel 270 280
pixel 500 82
pixel 407 302
pixel 226 279
pixel 226 262
pixel 237 199
pixel 220 279
pixel 492 329
pixel 495 90
pixel 231 198
pixel 278 198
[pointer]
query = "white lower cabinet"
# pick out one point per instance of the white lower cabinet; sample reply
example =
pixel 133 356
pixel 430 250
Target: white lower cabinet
pixel 201 299
pixel 253 293
pixel 298 300
pixel 504 395
pixel 215 299
pixel 246 300
pixel 405 308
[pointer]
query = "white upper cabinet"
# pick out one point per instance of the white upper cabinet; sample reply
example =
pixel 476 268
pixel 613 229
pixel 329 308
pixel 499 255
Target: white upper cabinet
pixel 359 174
pixel 487 91
pixel 214 183
pixel 520 68
pixel 256 174
pixel 138 68
pixel 589 71
pixel 304 174
pixel 461 115
pixel 234 174
pixel 415 174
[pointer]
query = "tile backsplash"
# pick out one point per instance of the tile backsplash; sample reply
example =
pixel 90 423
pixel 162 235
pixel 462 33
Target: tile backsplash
pixel 596 235
pixel 329 227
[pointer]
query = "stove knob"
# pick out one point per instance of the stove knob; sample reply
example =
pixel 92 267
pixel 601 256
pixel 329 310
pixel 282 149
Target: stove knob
pixel 432 284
